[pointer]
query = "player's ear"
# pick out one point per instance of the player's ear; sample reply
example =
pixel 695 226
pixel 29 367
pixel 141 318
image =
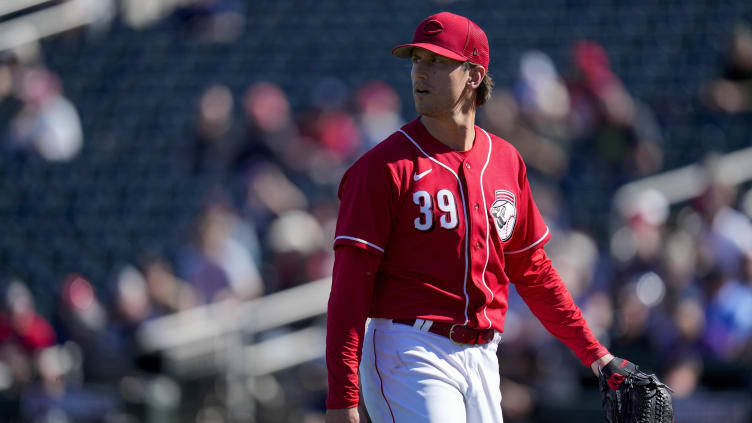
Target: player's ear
pixel 476 75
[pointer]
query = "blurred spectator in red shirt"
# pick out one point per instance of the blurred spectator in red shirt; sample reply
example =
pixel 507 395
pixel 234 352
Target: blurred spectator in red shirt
pixel 270 128
pixel 22 324
pixel 622 131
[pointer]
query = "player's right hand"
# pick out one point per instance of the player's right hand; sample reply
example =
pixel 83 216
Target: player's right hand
pixel 345 415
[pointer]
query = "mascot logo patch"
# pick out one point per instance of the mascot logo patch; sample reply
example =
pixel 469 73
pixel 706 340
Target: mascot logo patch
pixel 504 212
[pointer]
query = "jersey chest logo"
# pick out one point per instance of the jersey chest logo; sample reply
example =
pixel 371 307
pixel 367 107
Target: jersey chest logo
pixel 504 212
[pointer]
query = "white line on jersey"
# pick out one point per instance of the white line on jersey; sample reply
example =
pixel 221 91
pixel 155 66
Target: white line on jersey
pixel 362 241
pixel 485 266
pixel 531 245
pixel 464 212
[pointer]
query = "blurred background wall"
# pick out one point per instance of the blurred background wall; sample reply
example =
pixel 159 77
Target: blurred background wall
pixel 168 179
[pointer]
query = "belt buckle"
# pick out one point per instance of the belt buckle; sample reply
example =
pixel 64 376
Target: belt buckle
pixel 451 332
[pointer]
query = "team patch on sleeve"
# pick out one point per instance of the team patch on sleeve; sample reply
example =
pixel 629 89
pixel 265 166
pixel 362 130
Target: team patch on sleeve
pixel 504 212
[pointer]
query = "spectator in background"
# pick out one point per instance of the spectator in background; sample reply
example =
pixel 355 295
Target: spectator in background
pixel 638 285
pixel 217 266
pixel 728 316
pixel 503 115
pixel 131 307
pixel 378 112
pixel 22 324
pixel 215 148
pixel 56 396
pixel 132 304
pixel 83 319
pixel 681 259
pixel 732 92
pixel 633 330
pixel 331 135
pixel 196 261
pixel 726 231
pixel 336 139
pixel 544 107
pixel 637 244
pixel 48 124
pixel 615 138
pixel 683 375
pixel 269 193
pixel 270 127
pixel 543 97
pixel 24 334
pixel 168 293
pixel 298 251
pixel 16 373
pixel 615 130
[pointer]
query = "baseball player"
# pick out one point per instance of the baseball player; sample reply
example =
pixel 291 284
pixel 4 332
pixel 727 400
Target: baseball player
pixel 434 223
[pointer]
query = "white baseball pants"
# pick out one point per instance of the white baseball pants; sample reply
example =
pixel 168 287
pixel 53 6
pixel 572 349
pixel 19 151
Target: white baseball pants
pixel 409 375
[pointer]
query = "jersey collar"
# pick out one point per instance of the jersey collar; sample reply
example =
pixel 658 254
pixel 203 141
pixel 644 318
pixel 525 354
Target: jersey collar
pixel 434 147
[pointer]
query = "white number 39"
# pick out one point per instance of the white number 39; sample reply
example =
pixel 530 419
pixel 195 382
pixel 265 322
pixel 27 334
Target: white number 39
pixel 444 201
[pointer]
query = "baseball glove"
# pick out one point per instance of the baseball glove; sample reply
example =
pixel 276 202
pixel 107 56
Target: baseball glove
pixel 632 396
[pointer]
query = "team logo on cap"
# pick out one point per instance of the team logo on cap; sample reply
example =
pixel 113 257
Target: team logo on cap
pixel 432 27
pixel 504 212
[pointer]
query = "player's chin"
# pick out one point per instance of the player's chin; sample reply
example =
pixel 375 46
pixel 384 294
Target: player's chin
pixel 422 106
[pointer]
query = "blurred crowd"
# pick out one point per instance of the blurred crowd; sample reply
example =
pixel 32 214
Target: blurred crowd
pixel 668 286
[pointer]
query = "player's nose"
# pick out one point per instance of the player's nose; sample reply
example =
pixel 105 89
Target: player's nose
pixel 419 71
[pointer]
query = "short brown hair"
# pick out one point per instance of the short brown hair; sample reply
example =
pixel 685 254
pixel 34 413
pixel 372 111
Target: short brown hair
pixel 484 90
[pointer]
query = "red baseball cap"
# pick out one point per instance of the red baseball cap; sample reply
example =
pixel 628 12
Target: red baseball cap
pixel 449 35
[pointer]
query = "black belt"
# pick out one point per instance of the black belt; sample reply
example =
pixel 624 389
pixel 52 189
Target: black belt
pixel 459 334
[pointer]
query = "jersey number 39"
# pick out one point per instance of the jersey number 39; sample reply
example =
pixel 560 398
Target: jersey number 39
pixel 446 204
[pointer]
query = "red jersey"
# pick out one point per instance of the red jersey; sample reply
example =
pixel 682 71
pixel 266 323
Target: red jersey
pixel 445 227
pixel 444 221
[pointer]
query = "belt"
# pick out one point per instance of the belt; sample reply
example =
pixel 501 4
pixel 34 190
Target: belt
pixel 459 334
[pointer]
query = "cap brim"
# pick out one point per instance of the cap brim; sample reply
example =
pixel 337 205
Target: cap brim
pixel 405 51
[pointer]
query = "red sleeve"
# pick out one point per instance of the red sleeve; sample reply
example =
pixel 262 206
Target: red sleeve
pixel 540 285
pixel 368 195
pixel 530 229
pixel 349 301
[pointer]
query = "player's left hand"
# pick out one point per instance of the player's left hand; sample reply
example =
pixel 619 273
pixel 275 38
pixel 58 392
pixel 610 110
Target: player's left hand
pixel 630 395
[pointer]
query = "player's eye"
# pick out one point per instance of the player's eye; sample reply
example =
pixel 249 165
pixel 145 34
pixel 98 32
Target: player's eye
pixel 441 60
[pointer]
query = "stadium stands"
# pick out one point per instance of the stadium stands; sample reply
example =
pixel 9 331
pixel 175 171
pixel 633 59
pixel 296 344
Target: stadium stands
pixel 146 174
